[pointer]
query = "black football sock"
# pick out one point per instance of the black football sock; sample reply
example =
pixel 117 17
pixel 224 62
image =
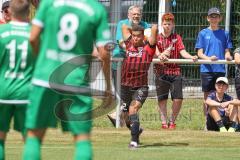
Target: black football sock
pixel 220 123
pixel 134 127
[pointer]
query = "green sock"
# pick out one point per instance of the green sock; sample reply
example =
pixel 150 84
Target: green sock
pixel 32 149
pixel 2 153
pixel 83 150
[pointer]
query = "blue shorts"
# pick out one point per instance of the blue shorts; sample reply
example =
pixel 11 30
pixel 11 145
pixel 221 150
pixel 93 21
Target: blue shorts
pixel 208 80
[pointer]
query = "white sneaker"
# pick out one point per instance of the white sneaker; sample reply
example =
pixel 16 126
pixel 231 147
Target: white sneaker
pixel 231 129
pixel 133 145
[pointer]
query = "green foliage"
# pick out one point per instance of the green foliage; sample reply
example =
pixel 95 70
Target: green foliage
pixel 235 26
pixel 190 18
pixel 150 11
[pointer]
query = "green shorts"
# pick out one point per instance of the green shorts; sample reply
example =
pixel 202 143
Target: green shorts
pixel 17 112
pixel 47 106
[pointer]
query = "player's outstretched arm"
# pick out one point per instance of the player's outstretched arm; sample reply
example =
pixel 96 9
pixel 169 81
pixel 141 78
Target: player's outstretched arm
pixel 153 37
pixel 126 32
pixel 35 38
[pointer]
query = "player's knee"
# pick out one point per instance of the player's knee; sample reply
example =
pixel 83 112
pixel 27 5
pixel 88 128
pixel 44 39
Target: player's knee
pixel 134 107
pixel 213 110
pixel 39 133
pixel 177 100
pixel 81 137
pixel 2 135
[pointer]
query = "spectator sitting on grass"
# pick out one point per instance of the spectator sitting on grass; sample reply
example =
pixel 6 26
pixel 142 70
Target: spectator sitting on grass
pixel 221 111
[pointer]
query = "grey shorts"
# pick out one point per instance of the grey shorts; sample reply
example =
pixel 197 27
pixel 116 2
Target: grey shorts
pixel 168 83
pixel 128 94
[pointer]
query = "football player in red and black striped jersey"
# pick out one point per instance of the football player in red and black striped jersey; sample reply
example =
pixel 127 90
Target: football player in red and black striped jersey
pixel 134 74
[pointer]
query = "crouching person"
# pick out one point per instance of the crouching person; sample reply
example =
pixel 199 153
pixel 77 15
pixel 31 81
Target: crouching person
pixel 221 113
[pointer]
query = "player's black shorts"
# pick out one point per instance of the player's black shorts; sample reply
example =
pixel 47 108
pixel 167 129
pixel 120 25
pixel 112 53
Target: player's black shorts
pixel 212 126
pixel 208 80
pixel 128 94
pixel 165 83
pixel 237 86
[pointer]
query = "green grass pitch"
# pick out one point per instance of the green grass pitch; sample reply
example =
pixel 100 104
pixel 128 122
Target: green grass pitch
pixel 187 142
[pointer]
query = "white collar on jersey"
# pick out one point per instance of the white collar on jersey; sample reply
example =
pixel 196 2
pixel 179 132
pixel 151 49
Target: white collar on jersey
pixel 17 23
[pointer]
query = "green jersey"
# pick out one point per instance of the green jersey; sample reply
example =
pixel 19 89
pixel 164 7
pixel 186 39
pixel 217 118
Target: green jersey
pixel 69 30
pixel 16 61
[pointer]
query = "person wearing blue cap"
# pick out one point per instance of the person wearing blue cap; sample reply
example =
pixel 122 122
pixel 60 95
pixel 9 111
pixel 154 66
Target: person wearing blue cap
pixel 213 43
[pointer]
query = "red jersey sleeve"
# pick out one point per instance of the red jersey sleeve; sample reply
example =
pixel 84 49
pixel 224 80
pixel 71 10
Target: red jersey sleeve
pixel 180 46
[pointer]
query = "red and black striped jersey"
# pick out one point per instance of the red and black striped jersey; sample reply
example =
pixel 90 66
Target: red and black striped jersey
pixel 175 44
pixel 136 64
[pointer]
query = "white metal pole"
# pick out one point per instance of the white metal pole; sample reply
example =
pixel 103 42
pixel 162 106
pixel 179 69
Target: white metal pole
pixel 228 15
pixel 118 92
pixel 161 11
pixel 115 17
pixel 227 23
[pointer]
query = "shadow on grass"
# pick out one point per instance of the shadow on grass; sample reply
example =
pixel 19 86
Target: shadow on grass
pixel 163 145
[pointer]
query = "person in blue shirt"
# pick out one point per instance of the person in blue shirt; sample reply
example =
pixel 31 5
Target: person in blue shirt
pixel 221 108
pixel 213 43
pixel 134 17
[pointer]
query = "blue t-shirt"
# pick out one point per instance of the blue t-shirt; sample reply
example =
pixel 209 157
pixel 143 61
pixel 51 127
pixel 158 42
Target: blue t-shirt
pixel 226 98
pixel 213 43
pixel 119 52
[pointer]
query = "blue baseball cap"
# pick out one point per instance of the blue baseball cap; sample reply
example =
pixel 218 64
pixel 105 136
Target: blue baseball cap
pixel 214 10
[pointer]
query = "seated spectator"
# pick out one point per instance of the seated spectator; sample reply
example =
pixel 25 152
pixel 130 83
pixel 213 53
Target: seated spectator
pixel 221 111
